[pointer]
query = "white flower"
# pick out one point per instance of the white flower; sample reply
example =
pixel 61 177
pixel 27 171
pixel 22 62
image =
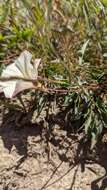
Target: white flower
pixel 21 68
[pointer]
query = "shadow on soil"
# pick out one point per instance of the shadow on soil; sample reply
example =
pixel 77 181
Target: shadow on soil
pixel 63 140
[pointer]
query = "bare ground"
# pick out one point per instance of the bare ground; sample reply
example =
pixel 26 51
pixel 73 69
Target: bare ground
pixel 34 158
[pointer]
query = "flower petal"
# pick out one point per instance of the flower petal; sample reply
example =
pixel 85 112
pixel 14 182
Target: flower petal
pixel 21 86
pixel 11 71
pixel 8 88
pixel 21 68
pixel 24 65
pixel 35 66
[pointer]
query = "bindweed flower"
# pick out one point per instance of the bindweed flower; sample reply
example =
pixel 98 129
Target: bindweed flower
pixel 21 69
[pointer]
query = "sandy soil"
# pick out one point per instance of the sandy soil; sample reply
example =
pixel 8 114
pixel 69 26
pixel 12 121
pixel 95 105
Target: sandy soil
pixel 32 158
